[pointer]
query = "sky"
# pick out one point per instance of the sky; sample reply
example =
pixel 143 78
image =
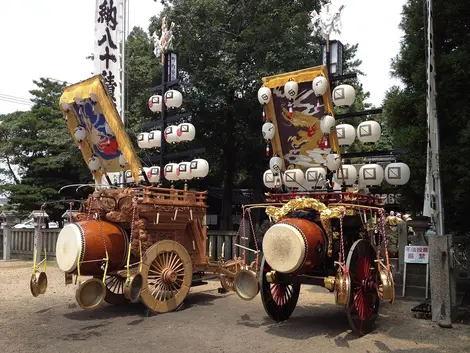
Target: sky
pixel 51 38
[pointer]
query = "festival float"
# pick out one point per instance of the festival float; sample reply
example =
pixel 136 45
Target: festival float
pixel 132 240
pixel 326 228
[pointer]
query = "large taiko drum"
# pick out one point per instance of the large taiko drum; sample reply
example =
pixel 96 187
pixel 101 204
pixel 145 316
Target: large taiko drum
pixel 85 238
pixel 294 245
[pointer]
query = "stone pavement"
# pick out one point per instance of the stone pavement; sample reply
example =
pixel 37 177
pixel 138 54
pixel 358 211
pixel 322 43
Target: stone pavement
pixel 209 322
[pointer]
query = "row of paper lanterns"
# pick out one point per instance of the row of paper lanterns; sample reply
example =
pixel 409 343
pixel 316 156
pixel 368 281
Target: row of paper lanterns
pixel 173 134
pixel 94 163
pixel 368 132
pixel 173 99
pixel 368 175
pixel 197 168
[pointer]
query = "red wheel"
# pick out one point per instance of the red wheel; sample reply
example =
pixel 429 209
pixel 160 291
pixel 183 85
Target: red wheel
pixel 363 304
pixel 279 299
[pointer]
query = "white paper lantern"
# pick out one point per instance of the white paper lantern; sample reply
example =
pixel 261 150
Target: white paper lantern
pixel 184 171
pixel 129 177
pixel 155 103
pixel 346 134
pixel 108 130
pixel 66 106
pixel 397 173
pixel 199 168
pixel 275 164
pixel 268 130
pixel 314 177
pixel 327 123
pixel 122 161
pixel 145 170
pixel 153 174
pixel 348 172
pixel 80 133
pixel 319 85
pixel 171 172
pixel 270 180
pixel 369 132
pixel 173 99
pixel 291 89
pixel 143 140
pixel 264 95
pixel 293 178
pixel 171 134
pixel 333 161
pixel 344 95
pixel 94 164
pixel 371 175
pixel 186 132
pixel 155 139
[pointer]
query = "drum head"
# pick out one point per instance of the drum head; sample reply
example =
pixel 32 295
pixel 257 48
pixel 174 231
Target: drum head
pixel 284 248
pixel 69 244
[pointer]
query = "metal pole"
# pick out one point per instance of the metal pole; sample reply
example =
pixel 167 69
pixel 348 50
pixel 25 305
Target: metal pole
pixel 163 142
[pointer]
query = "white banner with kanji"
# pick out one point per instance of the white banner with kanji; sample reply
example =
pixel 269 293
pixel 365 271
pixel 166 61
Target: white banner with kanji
pixel 107 56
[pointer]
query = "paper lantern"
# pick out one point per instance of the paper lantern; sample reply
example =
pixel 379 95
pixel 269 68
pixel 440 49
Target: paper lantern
pixel 143 140
pixel 275 164
pixel 327 123
pixel 153 175
pixel 171 134
pixel 173 99
pixel 79 101
pixel 270 180
pixel 155 139
pixel 199 168
pixel 80 133
pixel 94 164
pixel 293 178
pixel 291 89
pixel 333 161
pixel 155 103
pixel 129 176
pixel 397 173
pixel 93 98
pixel 348 172
pixel 371 175
pixel 319 85
pixel 171 172
pixel 145 170
pixel 108 130
pixel 186 132
pixel 65 106
pixel 122 161
pixel 268 130
pixel 184 171
pixel 344 95
pixel 346 134
pixel 264 95
pixel 368 132
pixel 314 177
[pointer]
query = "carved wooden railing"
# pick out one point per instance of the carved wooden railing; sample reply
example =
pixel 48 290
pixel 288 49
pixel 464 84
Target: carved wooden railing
pixel 329 197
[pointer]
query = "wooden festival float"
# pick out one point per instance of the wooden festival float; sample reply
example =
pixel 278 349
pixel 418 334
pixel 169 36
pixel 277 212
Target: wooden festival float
pixel 326 229
pixel 134 241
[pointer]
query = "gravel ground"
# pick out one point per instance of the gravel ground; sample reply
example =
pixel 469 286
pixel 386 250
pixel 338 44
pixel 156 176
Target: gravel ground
pixel 209 322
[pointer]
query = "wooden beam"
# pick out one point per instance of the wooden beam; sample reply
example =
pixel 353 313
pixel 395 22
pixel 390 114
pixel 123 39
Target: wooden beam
pixel 356 114
pixel 170 119
pixel 394 152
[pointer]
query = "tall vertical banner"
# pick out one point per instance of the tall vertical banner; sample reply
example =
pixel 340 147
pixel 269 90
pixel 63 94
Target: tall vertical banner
pixel 107 57
pixel 433 193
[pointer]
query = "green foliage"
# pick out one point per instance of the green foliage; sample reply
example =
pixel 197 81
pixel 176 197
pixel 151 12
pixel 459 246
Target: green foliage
pixel 405 108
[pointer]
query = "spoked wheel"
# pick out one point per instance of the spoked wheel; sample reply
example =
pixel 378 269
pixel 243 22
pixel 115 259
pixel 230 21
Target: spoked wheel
pixel 363 304
pixel 228 282
pixel 114 290
pixel 166 276
pixel 279 299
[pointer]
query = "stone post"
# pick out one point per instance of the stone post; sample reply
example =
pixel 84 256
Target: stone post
pixel 420 225
pixel 43 217
pixel 443 284
pixel 7 224
pixel 402 229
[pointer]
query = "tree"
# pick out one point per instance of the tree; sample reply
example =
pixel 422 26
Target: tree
pixel 38 142
pixel 405 108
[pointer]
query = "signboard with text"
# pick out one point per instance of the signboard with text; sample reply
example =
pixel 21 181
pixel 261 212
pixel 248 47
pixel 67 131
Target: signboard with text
pixel 417 254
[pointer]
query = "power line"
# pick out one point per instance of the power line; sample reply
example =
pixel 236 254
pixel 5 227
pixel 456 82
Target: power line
pixel 16 102
pixel 2 95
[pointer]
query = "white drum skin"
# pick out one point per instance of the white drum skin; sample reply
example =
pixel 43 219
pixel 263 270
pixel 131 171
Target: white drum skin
pixel 68 247
pixel 293 245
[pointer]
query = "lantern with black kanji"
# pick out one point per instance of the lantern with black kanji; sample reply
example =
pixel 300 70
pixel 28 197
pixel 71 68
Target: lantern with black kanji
pixel 268 131
pixel 94 164
pixel 173 99
pixel 319 85
pixel 184 171
pixel 326 124
pixel 264 97
pixel 155 103
pixel 291 90
pixel 80 133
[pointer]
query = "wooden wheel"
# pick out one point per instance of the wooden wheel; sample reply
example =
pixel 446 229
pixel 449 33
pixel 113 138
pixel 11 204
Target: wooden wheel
pixel 363 303
pixel 114 290
pixel 166 276
pixel 227 282
pixel 279 299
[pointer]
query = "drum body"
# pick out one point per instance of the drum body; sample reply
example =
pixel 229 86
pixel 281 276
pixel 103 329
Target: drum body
pixel 85 239
pixel 294 245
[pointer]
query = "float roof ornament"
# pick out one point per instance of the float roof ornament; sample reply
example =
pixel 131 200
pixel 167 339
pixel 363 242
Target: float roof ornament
pixel 328 21
pixel 165 43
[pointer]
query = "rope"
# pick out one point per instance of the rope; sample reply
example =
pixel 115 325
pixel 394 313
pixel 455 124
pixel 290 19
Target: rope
pixel 134 211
